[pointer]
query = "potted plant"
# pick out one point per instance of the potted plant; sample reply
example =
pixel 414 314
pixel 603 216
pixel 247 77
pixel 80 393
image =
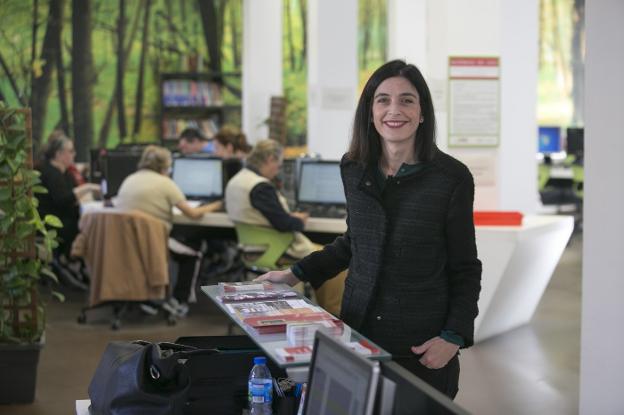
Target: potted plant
pixel 26 243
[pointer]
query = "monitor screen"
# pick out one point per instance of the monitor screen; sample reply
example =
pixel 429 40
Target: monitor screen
pixel 340 381
pixel 549 140
pixel 411 395
pixel 320 182
pixel 574 141
pixel 199 178
pixel 117 166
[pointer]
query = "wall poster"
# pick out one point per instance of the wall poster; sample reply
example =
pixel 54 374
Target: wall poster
pixel 474 101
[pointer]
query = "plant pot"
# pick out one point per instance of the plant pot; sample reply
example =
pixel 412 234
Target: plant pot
pixel 18 372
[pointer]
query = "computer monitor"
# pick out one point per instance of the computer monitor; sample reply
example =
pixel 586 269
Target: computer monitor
pixel 340 381
pixel 320 183
pixel 575 142
pixel 549 139
pixel 410 394
pixel 199 178
pixel 117 166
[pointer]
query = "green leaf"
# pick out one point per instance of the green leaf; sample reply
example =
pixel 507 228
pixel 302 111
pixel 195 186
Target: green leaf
pixel 53 221
pixel 39 189
pixel 59 296
pixel 5 193
pixel 48 273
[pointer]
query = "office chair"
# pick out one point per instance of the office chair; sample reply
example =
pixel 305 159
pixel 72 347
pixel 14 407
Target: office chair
pixel 262 247
pixel 126 255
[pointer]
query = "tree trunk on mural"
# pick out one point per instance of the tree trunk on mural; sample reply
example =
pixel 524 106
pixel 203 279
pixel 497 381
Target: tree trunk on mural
pixel 210 24
pixel 304 33
pixel 83 77
pixel 33 45
pixel 103 136
pixel 60 80
pixel 578 62
pixel 366 27
pixel 234 23
pixel 289 35
pixel 138 109
pixel 11 79
pixel 42 83
pixel 119 79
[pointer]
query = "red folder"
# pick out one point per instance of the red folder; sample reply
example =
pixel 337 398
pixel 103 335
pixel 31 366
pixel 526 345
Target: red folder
pixel 497 218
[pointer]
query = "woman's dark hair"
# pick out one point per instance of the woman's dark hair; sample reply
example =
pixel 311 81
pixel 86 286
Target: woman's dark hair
pixel 365 147
pixel 229 134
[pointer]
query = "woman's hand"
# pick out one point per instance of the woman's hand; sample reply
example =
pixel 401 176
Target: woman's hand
pixel 285 277
pixel 436 352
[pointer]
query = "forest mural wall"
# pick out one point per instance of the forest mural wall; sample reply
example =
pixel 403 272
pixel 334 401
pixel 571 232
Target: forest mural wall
pixel 94 67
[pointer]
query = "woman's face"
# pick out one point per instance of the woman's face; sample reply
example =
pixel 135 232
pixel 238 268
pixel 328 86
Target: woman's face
pixel 66 155
pixel 396 110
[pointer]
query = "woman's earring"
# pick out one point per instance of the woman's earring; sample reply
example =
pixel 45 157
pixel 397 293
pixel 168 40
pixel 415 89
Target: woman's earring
pixel 422 119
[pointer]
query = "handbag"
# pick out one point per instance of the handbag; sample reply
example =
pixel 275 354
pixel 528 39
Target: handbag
pixel 140 377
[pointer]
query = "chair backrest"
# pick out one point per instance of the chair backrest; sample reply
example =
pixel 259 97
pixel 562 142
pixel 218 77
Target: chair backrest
pixel 273 243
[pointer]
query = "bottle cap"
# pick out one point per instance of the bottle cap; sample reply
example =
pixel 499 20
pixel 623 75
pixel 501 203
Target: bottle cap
pixel 259 360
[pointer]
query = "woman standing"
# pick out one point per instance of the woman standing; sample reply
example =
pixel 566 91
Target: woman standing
pixel 414 276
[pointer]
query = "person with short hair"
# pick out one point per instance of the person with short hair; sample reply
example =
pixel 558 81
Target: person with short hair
pixel 62 199
pixel 414 275
pixel 192 141
pixel 152 191
pixel 251 198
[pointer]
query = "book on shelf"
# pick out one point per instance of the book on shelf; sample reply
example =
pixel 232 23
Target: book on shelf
pixel 254 296
pixel 277 323
pixel 191 93
pixel 271 308
pixel 172 127
pixel 304 353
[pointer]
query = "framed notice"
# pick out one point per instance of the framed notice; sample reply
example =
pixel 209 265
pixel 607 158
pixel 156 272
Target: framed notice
pixel 474 101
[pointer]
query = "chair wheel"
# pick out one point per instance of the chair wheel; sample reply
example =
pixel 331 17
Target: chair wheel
pixel 82 318
pixel 116 325
pixel 171 320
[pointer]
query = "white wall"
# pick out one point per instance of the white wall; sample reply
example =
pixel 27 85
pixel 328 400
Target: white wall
pixel 262 63
pixel 602 331
pixel 332 75
pixel 508 29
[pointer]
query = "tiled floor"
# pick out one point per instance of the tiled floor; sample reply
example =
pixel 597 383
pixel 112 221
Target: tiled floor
pixel 531 370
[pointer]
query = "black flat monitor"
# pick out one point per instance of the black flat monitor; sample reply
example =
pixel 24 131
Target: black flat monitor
pixel 406 394
pixel 320 183
pixel 575 138
pixel 340 381
pixel 199 178
pixel 117 166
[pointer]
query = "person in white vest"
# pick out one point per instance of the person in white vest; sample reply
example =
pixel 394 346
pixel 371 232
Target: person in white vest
pixel 251 198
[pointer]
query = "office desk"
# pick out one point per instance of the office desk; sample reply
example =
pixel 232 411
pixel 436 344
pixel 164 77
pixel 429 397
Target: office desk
pixel 518 262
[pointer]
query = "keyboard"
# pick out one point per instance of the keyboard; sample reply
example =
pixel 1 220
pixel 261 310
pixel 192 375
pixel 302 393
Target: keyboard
pixel 324 211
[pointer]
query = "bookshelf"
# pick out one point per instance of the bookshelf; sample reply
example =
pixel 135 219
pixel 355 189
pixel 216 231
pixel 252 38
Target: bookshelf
pixel 199 100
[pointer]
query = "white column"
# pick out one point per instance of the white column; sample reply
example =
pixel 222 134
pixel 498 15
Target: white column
pixel 332 75
pixel 602 360
pixel 407 31
pixel 262 63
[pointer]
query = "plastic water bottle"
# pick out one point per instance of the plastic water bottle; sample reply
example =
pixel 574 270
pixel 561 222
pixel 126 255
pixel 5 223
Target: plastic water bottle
pixel 260 388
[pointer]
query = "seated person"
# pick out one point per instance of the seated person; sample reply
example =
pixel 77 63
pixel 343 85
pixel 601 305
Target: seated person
pixel 152 191
pixel 231 145
pixel 62 200
pixel 251 198
pixel 192 141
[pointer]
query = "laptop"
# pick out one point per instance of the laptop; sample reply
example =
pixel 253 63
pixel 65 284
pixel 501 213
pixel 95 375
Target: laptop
pixel 199 178
pixel 320 191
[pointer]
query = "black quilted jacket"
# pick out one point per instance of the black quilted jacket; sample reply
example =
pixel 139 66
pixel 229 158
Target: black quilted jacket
pixel 410 251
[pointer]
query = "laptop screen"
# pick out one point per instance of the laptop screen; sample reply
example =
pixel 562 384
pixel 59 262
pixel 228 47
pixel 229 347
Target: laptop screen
pixel 340 381
pixel 320 182
pixel 199 178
